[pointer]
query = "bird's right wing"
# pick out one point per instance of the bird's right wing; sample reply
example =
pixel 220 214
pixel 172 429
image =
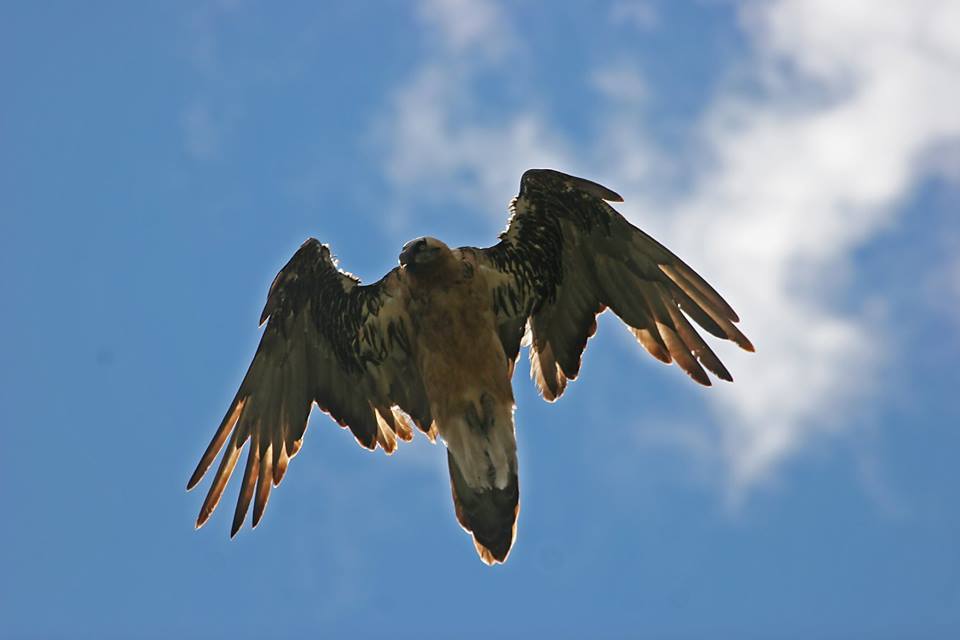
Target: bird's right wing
pixel 329 341
pixel 567 255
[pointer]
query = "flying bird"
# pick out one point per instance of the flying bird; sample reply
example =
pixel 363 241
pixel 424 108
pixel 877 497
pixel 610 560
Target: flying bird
pixel 433 344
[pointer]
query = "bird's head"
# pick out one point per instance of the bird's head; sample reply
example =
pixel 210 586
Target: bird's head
pixel 420 253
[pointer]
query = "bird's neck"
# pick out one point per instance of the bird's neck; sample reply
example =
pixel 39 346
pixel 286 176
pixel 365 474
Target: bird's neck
pixel 441 273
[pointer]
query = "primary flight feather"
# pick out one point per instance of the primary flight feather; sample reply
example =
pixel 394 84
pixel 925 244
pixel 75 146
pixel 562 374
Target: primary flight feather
pixel 434 343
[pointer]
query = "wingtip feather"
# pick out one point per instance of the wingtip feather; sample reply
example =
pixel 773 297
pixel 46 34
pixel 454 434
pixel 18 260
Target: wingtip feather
pixel 246 488
pixel 227 464
pixel 263 486
pixel 216 444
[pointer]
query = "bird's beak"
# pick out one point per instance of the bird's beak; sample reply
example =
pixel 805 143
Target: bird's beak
pixel 406 255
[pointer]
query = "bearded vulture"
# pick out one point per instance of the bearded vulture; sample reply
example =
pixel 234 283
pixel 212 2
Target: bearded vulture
pixel 434 343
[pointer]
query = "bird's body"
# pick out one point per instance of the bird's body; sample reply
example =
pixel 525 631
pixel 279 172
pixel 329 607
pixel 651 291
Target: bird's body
pixel 466 377
pixel 435 341
pixel 466 374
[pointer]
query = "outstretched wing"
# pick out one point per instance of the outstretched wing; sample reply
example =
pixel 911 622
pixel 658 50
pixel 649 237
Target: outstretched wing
pixel 567 255
pixel 328 340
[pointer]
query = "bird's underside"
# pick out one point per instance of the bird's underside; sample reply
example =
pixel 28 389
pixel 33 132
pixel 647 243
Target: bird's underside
pixel 432 345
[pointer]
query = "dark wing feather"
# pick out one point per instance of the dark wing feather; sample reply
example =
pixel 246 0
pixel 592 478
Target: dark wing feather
pixel 567 255
pixel 329 341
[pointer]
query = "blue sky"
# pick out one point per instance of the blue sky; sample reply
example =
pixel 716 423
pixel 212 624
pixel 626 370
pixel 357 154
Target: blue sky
pixel 160 163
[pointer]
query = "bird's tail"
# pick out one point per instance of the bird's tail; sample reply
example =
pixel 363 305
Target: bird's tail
pixel 489 514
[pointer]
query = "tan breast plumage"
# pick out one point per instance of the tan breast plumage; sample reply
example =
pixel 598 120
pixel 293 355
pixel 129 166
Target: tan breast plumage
pixel 458 351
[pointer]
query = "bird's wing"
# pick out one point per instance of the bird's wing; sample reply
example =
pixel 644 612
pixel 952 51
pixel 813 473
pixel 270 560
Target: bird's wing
pixel 328 340
pixel 567 255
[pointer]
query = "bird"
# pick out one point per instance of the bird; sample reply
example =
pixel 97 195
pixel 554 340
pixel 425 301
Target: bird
pixel 432 346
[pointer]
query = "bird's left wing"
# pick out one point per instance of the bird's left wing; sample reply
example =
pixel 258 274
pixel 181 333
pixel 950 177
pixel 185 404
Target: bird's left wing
pixel 329 341
pixel 567 255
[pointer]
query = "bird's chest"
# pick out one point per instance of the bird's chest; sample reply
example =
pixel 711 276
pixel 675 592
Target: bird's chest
pixel 454 317
pixel 458 346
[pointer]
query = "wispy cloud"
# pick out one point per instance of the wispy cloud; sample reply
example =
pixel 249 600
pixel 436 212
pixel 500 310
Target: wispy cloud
pixel 636 13
pixel 474 27
pixel 791 176
pixel 432 133
pixel 204 130
pixel 206 121
pixel 800 177
pixel 621 83
pixel 431 144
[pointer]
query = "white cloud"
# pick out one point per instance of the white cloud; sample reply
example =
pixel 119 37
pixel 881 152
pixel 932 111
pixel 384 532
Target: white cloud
pixel 429 141
pixel 468 26
pixel 797 183
pixel 849 101
pixel 637 13
pixel 621 83
pixel 431 144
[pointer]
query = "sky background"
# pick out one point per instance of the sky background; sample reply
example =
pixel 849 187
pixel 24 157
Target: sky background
pixel 159 162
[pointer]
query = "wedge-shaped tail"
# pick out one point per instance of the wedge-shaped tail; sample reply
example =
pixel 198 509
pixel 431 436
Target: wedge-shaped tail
pixel 488 514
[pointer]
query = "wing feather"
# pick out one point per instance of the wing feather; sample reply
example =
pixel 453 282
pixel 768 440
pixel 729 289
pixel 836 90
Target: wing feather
pixel 264 482
pixel 328 341
pixel 219 438
pixel 250 473
pixel 653 344
pixel 696 344
pixel 567 255
pixel 227 463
